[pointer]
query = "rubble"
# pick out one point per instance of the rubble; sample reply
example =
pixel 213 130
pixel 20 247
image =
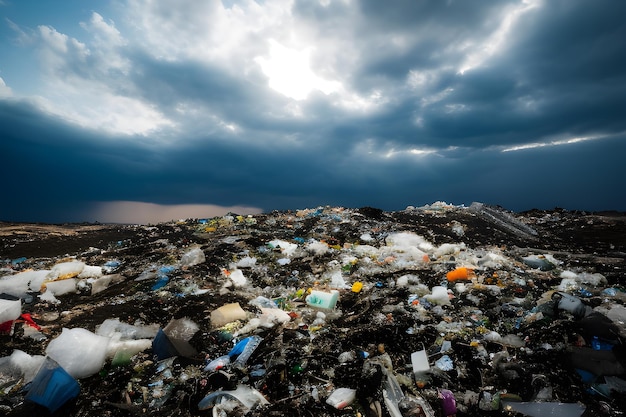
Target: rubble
pixel 432 311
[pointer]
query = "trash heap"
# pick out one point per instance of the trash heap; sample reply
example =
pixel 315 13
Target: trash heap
pixel 438 310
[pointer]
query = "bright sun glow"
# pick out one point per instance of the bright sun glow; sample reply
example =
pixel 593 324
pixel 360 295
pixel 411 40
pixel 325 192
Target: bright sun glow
pixel 290 74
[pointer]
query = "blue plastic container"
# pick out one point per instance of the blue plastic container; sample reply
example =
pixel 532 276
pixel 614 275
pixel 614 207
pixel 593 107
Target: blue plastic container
pixel 163 347
pixel 52 386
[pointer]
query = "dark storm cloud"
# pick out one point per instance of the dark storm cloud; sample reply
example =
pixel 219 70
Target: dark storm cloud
pixel 560 74
pixel 435 134
pixel 63 170
pixel 518 98
pixel 430 34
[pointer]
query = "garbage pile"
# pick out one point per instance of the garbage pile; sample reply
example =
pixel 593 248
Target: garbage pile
pixel 438 310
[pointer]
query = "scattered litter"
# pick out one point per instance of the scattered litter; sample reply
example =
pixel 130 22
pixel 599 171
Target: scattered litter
pixel 439 310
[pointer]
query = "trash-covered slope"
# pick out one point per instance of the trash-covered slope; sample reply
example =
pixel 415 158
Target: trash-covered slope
pixel 425 311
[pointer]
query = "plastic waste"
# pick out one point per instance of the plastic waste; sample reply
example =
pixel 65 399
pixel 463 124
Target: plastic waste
pixel 52 387
pixel 540 262
pixel 460 274
pixel 19 366
pixel 112 327
pixel 599 344
pixel 245 395
pixel 323 299
pixel 542 409
pixel 160 282
pixel 193 257
pixel 111 266
pixel 102 283
pixel 80 352
pixel 263 302
pixel 181 329
pixel 61 287
pixel 340 398
pixel 439 295
pixel 217 364
pixel 65 270
pixel 416 406
pixel 162 347
pixel 504 220
pixel 448 402
pixel 162 275
pixel 571 304
pixel 10 310
pixel 173 340
pixel 392 394
pixel 271 316
pixel 20 284
pixel 444 363
pixel 227 314
pixel 18 261
pixel 244 349
pixel 421 367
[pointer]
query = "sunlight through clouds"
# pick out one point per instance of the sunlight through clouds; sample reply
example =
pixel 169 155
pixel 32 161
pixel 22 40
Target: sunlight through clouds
pixel 481 52
pixel 560 142
pixel 290 73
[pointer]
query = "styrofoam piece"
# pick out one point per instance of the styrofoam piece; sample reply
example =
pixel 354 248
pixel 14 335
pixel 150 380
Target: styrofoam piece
pixel 61 287
pixel 66 270
pixel 10 308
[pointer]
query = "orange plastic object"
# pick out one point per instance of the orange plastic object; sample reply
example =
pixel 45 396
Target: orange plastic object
pixel 460 274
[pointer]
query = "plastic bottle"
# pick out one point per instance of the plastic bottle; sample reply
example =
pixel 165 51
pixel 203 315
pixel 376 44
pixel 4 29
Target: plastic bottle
pixel 247 348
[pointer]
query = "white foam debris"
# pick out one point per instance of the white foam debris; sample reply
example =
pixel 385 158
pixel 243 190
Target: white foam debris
pixel 237 277
pixel 90 271
pixel 317 248
pixel 287 248
pixel 65 270
pixel 246 262
pixel 21 283
pixel 80 352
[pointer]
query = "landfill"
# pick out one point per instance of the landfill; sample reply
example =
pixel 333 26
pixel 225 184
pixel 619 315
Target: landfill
pixel 438 310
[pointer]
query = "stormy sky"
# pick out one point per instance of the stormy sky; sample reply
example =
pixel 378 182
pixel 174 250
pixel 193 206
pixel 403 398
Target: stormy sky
pixel 142 111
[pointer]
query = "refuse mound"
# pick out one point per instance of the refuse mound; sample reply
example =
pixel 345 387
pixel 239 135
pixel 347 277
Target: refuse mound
pixel 437 310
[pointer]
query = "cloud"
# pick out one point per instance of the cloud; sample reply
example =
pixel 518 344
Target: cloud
pixel 5 91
